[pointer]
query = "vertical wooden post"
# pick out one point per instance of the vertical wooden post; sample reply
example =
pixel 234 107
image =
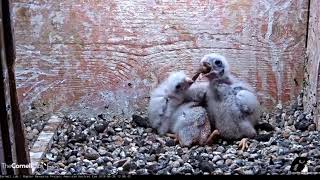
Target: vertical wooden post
pixel 13 147
pixel 312 87
pixel 5 117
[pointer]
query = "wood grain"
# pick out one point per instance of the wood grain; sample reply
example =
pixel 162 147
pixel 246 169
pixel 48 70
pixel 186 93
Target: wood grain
pixel 93 54
pixel 312 95
pixel 13 145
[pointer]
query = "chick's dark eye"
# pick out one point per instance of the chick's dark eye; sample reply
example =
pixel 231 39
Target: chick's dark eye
pixel 218 63
pixel 178 86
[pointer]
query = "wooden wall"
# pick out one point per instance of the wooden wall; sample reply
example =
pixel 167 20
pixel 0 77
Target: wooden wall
pixel 13 149
pixel 107 55
pixel 312 96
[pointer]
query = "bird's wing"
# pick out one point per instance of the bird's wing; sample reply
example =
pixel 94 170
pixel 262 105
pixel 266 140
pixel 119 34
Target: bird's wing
pixel 247 101
pixel 160 105
pixel 184 116
pixel 156 110
pixel 179 122
pixel 197 91
pixel 197 116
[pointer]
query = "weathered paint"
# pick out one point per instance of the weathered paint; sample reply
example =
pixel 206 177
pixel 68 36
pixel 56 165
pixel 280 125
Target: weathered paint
pixel 312 96
pixel 44 141
pixel 107 55
pixel 13 145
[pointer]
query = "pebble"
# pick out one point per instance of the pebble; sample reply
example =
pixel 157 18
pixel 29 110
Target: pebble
pixel 100 168
pixel 51 157
pixel 231 151
pixel 125 147
pixel 245 154
pixel 91 154
pixel 228 162
pixel 109 164
pixel 140 121
pixel 35 131
pixel 100 161
pixel 220 149
pixel 286 134
pixel 302 125
pixel 218 172
pixel 248 172
pixel 102 151
pixel 87 162
pixel 290 121
pixel 54 151
pixel 317 168
pixel 29 136
pixel 119 162
pixel 206 166
pixel 61 165
pixel 220 162
pixel 140 163
pixel 100 127
pixel 312 127
pixel 128 166
pixel 122 154
pixel 72 159
pixel 142 172
pixel 216 158
pixel 186 168
pixel 176 164
pixel 296 114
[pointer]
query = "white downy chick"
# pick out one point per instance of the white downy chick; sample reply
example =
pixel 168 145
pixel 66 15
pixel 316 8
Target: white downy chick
pixel 165 99
pixel 191 124
pixel 233 107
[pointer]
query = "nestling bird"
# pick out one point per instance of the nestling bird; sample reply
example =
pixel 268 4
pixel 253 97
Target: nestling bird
pixel 191 124
pixel 197 93
pixel 233 107
pixel 165 99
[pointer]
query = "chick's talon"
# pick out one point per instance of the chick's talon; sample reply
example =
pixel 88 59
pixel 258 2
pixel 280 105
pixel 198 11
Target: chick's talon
pixel 171 135
pixel 213 136
pixel 175 137
pixel 243 144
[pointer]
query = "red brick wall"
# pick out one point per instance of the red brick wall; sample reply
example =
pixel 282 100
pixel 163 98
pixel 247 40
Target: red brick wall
pixel 95 54
pixel 312 97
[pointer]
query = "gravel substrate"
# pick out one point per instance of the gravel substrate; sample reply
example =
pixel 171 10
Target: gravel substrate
pixel 108 145
pixel 34 123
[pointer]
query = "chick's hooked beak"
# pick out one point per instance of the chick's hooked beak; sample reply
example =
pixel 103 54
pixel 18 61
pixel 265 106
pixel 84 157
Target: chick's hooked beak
pixel 205 69
pixel 189 80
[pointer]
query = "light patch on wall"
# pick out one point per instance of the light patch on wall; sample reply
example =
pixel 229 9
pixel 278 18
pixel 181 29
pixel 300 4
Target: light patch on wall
pixel 37 22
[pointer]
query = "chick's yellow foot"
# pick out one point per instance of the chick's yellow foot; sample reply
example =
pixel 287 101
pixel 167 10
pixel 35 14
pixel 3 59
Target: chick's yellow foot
pixel 213 136
pixel 244 144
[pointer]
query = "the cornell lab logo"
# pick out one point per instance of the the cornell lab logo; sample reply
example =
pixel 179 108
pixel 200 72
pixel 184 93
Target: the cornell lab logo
pixel 15 166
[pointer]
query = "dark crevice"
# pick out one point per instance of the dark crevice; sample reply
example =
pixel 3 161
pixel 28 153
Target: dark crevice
pixel 308 19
